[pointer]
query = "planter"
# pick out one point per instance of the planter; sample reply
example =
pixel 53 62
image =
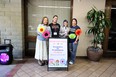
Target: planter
pixel 94 54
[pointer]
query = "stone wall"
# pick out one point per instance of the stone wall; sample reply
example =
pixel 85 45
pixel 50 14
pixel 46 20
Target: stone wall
pixel 11 25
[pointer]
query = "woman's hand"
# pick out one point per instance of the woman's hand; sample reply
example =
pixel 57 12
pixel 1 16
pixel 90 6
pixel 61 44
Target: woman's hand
pixel 47 39
pixel 75 42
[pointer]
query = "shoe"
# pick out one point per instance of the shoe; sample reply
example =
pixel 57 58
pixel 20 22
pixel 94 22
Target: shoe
pixel 71 63
pixel 41 63
pixel 46 62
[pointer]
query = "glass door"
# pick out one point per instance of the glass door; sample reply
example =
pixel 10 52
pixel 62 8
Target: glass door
pixel 35 10
pixel 112 33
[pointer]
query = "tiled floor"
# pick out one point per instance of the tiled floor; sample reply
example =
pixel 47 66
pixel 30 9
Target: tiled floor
pixel 4 69
pixel 82 68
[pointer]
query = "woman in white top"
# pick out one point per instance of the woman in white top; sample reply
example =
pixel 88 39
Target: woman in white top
pixel 64 29
pixel 41 46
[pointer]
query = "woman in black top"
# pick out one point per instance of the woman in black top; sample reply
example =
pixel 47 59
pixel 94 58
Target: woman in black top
pixel 55 27
pixel 73 42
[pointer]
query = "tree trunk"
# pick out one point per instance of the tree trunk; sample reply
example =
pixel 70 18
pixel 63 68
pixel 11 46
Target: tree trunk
pixel 95 45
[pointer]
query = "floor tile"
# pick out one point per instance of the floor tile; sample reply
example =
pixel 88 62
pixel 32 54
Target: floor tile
pixel 106 67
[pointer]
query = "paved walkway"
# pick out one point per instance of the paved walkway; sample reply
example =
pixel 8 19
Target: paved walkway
pixel 82 68
pixel 4 69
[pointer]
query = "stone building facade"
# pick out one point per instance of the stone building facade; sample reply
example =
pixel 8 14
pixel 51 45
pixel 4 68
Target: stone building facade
pixel 11 25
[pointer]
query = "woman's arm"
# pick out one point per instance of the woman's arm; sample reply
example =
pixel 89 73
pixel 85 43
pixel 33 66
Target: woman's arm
pixel 61 32
pixel 50 31
pixel 77 38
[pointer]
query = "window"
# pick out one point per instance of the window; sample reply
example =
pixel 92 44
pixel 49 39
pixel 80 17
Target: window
pixel 35 10
pixel 40 8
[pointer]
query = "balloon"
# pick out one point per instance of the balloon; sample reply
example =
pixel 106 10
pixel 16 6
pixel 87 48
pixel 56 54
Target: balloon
pixel 40 29
pixel 46 34
pixel 72 36
pixel 78 32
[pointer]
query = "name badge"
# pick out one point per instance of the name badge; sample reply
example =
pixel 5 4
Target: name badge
pixel 55 33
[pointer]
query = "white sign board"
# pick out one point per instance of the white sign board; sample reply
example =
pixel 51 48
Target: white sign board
pixel 58 52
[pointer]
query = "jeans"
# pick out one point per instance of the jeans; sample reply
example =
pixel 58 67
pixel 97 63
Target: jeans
pixel 72 50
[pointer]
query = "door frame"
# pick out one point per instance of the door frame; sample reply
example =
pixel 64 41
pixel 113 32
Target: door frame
pixel 105 43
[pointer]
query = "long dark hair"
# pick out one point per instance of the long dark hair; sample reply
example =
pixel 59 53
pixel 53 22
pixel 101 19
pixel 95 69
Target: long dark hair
pixel 75 20
pixel 43 20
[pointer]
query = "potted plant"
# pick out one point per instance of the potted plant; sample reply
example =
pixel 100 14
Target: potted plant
pixel 98 22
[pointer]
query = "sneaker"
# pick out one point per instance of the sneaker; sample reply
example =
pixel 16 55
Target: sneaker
pixel 41 63
pixel 46 62
pixel 71 63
